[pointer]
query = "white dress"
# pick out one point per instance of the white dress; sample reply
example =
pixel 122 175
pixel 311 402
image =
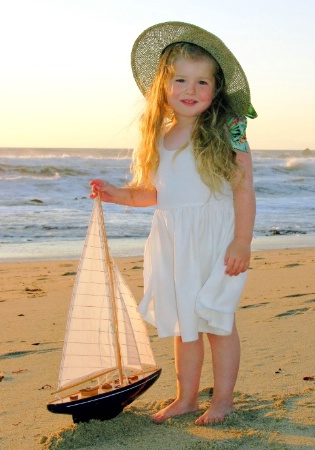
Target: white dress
pixel 185 288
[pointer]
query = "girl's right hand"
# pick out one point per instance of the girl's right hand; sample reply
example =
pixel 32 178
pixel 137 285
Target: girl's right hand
pixel 127 196
pixel 108 192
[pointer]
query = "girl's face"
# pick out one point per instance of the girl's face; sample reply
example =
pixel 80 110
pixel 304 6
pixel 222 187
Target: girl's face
pixel 192 88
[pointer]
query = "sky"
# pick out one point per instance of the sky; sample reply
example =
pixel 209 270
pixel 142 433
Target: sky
pixel 66 80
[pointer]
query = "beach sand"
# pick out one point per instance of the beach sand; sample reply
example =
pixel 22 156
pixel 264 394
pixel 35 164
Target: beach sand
pixel 275 404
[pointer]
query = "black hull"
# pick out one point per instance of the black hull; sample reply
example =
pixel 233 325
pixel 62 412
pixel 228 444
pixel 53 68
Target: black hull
pixel 104 406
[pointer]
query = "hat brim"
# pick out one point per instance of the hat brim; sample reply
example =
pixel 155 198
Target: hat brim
pixel 149 46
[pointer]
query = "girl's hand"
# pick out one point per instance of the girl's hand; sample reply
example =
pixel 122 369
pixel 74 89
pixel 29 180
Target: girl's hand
pixel 237 257
pixel 108 192
pixel 123 196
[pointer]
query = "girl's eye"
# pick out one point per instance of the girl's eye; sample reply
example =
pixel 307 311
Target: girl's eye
pixel 203 83
pixel 180 80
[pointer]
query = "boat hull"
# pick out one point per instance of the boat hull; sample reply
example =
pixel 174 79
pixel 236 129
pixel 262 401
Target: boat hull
pixel 104 406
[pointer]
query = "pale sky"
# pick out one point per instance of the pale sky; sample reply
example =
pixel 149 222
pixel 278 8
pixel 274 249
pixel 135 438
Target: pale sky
pixel 66 81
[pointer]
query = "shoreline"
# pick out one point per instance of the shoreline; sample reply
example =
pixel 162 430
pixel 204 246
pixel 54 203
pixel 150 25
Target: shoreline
pixel 274 403
pixel 129 247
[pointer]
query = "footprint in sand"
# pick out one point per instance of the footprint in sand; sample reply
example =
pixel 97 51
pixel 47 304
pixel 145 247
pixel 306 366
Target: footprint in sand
pixel 310 301
pixel 257 305
pixel 20 354
pixel 293 312
pixel 291 265
pixel 298 295
pixel 36 292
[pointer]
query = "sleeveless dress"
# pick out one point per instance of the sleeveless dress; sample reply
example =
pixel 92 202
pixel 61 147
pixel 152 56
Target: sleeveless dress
pixel 185 288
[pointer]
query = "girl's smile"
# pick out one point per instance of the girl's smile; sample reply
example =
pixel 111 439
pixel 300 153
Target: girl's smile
pixel 189 102
pixel 191 90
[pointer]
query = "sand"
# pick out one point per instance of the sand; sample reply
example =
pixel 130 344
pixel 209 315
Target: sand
pixel 275 404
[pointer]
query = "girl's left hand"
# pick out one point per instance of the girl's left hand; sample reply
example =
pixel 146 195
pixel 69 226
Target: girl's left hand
pixel 237 257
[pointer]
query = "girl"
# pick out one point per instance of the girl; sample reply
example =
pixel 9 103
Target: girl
pixel 194 164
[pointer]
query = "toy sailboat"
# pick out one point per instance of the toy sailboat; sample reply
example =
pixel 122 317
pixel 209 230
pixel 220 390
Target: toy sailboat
pixel 107 357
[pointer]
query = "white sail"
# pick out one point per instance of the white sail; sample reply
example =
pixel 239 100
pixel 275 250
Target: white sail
pixel 90 345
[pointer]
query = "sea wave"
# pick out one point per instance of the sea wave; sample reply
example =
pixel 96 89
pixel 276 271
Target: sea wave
pixel 286 165
pixel 306 165
pixel 46 153
pixel 12 172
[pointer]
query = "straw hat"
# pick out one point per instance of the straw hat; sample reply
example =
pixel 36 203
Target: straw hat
pixel 150 44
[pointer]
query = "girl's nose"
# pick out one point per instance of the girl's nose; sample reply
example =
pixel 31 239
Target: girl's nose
pixel 190 89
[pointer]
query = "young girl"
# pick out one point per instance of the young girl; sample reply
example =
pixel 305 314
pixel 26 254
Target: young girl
pixel 194 164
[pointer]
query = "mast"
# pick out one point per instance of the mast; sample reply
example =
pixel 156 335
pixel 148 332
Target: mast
pixel 112 290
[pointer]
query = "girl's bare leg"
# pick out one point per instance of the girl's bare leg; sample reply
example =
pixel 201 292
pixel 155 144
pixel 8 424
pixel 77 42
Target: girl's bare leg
pixel 225 361
pixel 188 365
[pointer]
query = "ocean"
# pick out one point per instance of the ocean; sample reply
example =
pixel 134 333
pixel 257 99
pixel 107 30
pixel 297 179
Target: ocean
pixel 45 205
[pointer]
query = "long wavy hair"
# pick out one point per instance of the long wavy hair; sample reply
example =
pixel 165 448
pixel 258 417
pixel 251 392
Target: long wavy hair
pixel 214 156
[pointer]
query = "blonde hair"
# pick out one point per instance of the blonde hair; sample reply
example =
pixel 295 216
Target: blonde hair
pixel 213 153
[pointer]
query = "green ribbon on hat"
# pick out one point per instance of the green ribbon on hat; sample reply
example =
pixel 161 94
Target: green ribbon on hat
pixel 251 112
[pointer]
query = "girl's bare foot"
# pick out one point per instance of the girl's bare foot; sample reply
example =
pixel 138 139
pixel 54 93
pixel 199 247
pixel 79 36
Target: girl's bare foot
pixel 176 408
pixel 215 414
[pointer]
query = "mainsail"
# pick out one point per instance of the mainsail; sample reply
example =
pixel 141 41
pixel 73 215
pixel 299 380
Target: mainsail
pixel 103 315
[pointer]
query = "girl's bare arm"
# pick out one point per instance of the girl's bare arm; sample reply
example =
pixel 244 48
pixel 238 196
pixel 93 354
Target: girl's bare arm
pixel 237 257
pixel 124 195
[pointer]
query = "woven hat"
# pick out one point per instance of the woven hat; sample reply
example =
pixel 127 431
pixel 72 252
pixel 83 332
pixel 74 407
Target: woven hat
pixel 149 46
